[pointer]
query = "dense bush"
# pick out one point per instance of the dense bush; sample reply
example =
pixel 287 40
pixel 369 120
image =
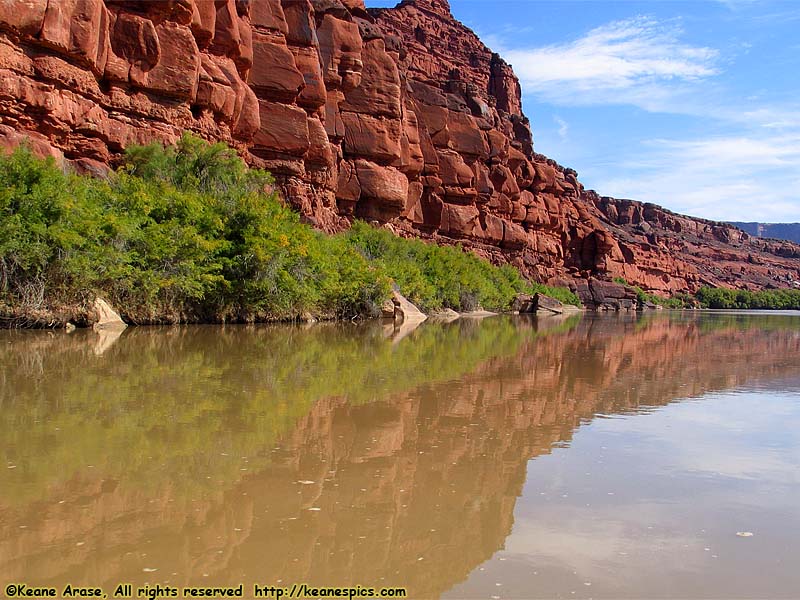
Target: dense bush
pixel 642 297
pixel 562 294
pixel 723 298
pixel 676 301
pixel 185 233
pixel 436 277
pixel 786 299
pixel 189 233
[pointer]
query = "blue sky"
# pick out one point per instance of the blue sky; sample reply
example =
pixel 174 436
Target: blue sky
pixel 691 105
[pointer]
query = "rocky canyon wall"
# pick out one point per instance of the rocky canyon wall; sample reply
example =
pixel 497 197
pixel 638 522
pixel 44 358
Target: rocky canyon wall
pixel 400 116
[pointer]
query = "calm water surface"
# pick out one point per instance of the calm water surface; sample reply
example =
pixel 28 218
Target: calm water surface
pixel 608 457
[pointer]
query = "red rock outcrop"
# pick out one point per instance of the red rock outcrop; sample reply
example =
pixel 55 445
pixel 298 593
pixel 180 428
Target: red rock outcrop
pixel 400 116
pixel 669 253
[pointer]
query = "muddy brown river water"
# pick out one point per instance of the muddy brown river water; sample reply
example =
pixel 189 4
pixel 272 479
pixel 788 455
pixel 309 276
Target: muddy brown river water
pixel 650 456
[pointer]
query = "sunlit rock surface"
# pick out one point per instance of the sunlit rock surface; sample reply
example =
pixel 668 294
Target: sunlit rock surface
pixel 399 116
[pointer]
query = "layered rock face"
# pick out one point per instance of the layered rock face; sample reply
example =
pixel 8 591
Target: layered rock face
pixel 400 116
pixel 480 180
pixel 669 253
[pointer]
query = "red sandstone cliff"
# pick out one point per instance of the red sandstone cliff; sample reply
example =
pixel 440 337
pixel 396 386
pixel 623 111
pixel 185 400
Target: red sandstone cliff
pixel 401 116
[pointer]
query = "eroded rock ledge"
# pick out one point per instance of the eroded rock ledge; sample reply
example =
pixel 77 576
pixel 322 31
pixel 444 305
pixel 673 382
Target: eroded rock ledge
pixel 400 116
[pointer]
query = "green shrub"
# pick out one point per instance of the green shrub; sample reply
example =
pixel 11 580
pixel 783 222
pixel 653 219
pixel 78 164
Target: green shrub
pixel 190 233
pixel 676 301
pixel 561 294
pixel 436 277
pixel 178 234
pixel 642 297
pixel 722 298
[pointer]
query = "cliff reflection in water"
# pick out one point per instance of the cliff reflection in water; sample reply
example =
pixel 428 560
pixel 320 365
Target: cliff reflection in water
pixel 326 455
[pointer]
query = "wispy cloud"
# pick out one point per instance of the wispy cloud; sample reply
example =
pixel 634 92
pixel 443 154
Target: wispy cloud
pixel 737 156
pixel 563 127
pixel 738 4
pixel 768 117
pixel 736 178
pixel 637 61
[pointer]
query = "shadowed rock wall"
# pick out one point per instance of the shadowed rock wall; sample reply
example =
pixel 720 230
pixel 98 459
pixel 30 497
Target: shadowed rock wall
pixel 400 116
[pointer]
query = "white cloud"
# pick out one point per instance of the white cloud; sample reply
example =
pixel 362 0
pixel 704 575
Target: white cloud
pixel 636 61
pixel 769 117
pixel 747 177
pixel 738 4
pixel 738 151
pixel 741 164
pixel 563 127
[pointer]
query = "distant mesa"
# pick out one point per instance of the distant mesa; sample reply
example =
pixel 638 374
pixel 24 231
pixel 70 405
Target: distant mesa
pixel 777 231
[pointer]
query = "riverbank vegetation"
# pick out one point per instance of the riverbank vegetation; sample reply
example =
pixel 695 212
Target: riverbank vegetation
pixel 722 298
pixel 190 234
pixel 178 234
pixel 644 298
pixel 436 277
pixel 787 299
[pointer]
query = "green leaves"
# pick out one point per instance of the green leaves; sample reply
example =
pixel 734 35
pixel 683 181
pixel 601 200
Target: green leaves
pixel 195 165
pixel 786 299
pixel 178 234
pixel 561 294
pixel 189 233
pixel 436 277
